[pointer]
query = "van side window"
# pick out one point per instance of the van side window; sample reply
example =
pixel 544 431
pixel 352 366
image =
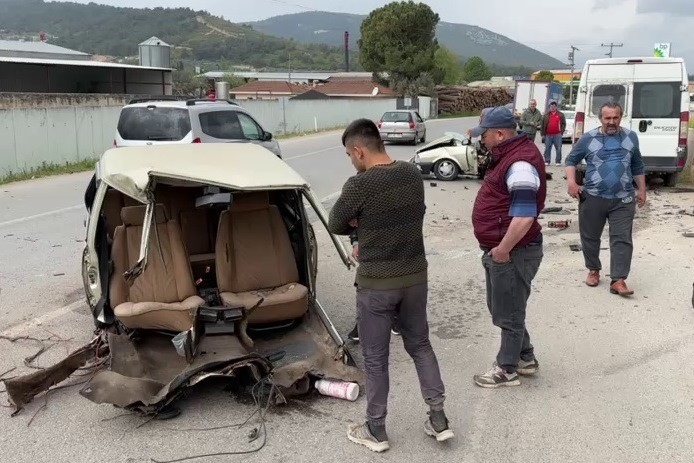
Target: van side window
pixel 657 100
pixel 607 94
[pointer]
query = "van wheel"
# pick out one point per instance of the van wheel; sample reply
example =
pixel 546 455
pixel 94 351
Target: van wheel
pixel 671 179
pixel 446 170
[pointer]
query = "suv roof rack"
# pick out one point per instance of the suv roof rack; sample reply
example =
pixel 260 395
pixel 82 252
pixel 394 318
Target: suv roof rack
pixel 158 98
pixel 194 101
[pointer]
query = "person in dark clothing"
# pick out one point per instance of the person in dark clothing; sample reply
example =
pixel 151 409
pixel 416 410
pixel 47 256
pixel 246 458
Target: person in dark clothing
pixel 385 201
pixel 504 219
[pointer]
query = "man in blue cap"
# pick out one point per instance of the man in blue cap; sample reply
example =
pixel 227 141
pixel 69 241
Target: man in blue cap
pixel 504 219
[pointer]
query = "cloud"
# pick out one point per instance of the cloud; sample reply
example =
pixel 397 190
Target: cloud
pixel 669 7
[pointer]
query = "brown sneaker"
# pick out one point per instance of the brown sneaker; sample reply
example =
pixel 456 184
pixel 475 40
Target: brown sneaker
pixel 593 278
pixel 620 287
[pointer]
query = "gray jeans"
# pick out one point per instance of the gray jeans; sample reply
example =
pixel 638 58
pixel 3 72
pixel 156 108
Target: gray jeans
pixel 593 212
pixel 376 310
pixel 508 290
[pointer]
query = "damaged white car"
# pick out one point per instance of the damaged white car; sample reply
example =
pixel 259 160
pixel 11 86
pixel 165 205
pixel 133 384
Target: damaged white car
pixel 452 155
pixel 200 262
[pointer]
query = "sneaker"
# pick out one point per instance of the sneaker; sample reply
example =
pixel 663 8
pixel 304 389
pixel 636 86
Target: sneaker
pixel 527 368
pixel 437 426
pixel 558 164
pixel 354 334
pixel 361 434
pixel 497 377
pixel 395 330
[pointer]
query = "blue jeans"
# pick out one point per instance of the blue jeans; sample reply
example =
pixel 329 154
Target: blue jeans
pixel 552 140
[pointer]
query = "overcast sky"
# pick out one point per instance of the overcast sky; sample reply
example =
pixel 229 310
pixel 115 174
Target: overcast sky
pixel 547 25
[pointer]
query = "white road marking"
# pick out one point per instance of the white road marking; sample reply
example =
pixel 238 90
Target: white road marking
pixel 22 328
pixel 312 153
pixel 39 216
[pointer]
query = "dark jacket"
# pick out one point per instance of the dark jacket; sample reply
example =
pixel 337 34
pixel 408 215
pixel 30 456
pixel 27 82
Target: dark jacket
pixel 545 122
pixel 490 218
pixel 531 121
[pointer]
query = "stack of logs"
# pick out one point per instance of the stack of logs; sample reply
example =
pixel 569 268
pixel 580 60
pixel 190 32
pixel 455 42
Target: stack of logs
pixel 460 99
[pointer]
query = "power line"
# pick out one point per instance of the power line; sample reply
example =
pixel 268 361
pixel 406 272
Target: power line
pixel 611 45
pixel 294 4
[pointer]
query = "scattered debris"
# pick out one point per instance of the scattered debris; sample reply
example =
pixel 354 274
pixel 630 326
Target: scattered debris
pixel 552 210
pixel 575 247
pixel 57 246
pixel 548 175
pixel 688 234
pixel 433 184
pixel 559 224
pixel 58 274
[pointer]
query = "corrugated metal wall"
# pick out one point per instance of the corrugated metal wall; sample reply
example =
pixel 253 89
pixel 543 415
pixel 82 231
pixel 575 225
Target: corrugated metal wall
pixel 37 129
pixel 296 116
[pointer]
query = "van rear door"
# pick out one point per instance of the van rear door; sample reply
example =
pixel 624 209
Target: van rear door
pixel 656 112
pixel 609 91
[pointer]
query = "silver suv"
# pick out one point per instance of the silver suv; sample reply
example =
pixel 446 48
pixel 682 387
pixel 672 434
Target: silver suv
pixel 170 121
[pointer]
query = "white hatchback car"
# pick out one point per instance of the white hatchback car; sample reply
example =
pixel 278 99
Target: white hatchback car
pixel 172 121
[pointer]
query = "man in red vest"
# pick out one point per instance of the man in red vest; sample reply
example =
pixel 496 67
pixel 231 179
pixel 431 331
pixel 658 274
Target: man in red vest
pixel 504 218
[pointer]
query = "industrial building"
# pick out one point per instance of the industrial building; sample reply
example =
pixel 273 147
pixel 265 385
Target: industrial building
pixel 39 67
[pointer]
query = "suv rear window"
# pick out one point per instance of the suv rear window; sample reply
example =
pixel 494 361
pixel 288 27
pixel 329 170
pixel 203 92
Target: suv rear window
pixel 657 100
pixel 222 124
pixel 154 123
pixel 396 117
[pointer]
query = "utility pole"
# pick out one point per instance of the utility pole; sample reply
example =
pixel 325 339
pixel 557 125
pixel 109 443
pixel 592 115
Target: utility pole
pixel 571 80
pixel 611 45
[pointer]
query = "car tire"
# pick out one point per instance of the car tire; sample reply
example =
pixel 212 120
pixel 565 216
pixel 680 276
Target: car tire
pixel 446 170
pixel 671 179
pixel 424 138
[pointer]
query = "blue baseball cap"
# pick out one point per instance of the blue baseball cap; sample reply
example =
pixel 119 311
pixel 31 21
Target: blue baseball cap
pixel 499 117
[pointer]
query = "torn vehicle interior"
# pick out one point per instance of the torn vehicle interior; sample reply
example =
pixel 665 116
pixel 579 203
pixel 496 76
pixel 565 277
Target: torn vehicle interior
pixel 200 262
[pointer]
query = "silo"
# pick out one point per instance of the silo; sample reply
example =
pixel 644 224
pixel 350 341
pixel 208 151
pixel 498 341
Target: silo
pixel 155 52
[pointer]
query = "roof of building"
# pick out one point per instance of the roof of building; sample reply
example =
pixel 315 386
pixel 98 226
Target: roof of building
pixel 37 47
pixel 86 63
pixel 349 87
pixel 559 71
pixel 155 41
pixel 269 87
pixel 287 76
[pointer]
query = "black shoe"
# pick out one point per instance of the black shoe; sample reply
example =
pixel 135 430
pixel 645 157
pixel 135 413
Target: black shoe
pixel 354 334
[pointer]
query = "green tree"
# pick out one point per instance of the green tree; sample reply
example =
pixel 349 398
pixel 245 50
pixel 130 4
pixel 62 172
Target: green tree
pixel 476 69
pixel 448 66
pixel 545 75
pixel 399 39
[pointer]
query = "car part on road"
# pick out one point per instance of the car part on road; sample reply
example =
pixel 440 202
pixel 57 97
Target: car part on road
pixel 559 224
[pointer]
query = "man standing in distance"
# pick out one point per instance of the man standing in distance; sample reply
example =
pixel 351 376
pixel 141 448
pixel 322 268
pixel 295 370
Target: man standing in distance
pixel 504 218
pixel 531 120
pixel 553 126
pixel 613 163
pixel 386 202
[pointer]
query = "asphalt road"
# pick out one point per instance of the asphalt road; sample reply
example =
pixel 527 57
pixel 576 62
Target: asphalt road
pixel 614 384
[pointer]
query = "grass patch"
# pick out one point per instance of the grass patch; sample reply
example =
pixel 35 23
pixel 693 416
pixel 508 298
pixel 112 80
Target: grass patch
pixel 48 169
pixel 691 123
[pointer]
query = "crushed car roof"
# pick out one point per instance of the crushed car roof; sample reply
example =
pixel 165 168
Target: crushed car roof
pixel 239 166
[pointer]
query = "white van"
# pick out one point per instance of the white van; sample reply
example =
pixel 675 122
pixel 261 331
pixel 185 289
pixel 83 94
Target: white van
pixel 655 97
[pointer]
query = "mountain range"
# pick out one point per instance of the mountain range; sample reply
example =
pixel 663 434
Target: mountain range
pixel 463 39
pixel 310 41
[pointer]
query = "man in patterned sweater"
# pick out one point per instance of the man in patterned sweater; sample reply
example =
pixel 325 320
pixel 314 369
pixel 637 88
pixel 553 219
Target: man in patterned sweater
pixel 386 202
pixel 613 164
